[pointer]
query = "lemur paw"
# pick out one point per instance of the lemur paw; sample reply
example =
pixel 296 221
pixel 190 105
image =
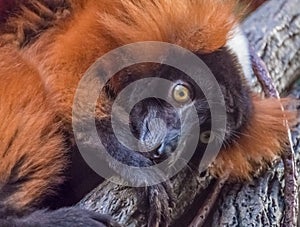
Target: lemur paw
pixel 66 217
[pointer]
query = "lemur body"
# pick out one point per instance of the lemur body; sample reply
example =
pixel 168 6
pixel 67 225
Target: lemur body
pixel 47 46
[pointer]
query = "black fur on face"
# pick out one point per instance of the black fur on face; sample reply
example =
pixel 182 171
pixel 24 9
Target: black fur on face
pixel 162 143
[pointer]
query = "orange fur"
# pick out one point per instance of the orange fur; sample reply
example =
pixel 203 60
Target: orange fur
pixel 31 148
pixel 101 25
pixel 263 139
pixel 43 57
pixel 165 21
pixel 252 5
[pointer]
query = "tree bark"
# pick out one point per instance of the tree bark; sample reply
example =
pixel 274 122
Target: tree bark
pixel 274 31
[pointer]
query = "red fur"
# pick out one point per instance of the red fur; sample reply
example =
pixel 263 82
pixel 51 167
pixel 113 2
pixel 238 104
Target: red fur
pixel 263 139
pixel 47 47
pixel 31 148
pixel 166 21
pixel 252 5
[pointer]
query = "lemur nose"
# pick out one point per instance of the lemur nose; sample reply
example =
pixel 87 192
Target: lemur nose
pixel 162 151
pixel 159 151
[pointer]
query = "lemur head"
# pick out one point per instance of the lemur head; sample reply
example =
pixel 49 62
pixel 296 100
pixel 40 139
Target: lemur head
pixel 254 132
pixel 158 124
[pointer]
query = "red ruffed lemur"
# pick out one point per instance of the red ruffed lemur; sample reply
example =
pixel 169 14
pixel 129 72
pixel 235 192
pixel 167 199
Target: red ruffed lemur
pixel 45 49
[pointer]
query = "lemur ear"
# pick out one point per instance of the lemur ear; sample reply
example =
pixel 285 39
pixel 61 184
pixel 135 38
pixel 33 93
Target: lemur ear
pixel 263 139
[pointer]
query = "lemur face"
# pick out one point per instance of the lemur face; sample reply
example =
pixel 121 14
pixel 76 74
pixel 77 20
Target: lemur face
pixel 157 124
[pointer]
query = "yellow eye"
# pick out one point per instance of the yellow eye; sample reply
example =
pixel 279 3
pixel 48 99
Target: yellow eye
pixel 207 137
pixel 181 94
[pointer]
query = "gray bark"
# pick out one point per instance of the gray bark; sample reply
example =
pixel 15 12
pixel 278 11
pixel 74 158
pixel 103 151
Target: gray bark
pixel 274 30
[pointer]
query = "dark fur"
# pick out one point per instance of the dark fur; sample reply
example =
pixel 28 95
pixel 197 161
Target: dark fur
pixel 47 46
pixel 227 72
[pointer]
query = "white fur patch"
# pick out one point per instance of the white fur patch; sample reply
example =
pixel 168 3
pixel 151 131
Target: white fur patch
pixel 239 45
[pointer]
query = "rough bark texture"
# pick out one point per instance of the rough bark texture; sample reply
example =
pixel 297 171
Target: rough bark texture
pixel 274 31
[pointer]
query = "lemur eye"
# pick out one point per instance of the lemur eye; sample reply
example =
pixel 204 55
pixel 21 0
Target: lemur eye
pixel 181 93
pixel 207 137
